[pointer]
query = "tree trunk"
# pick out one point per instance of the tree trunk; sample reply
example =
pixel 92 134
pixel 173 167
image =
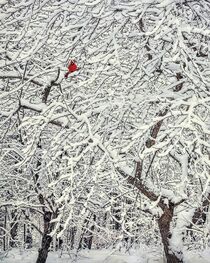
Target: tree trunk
pixel 13 234
pixel 13 229
pixel 5 227
pixel 46 239
pixel 90 238
pixel 24 233
pixel 71 237
pixel 164 227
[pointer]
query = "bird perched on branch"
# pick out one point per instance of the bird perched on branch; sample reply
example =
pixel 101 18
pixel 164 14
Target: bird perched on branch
pixel 72 67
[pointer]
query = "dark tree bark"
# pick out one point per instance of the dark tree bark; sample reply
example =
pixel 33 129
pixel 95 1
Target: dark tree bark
pixel 46 239
pixel 90 238
pixel 71 237
pixel 47 217
pixel 5 227
pixel 81 241
pixel 59 241
pixel 164 227
pixel 116 213
pixel 13 234
pixel 13 229
pixel 48 88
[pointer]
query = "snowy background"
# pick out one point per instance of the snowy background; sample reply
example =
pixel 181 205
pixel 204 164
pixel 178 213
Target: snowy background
pixel 144 255
pixel 116 151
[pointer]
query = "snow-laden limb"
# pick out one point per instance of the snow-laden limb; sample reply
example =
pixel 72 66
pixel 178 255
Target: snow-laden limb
pixel 182 222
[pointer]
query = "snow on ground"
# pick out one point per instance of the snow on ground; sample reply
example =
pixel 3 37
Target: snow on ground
pixel 197 257
pixel 144 255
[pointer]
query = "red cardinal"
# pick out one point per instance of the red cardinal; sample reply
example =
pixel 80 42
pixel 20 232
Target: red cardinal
pixel 71 68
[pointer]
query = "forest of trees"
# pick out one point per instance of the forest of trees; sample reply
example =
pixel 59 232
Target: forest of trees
pixel 117 153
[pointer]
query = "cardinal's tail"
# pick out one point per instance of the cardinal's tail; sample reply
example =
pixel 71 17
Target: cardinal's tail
pixel 66 75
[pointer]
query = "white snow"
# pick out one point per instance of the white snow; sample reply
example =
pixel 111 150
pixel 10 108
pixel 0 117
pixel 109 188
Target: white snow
pixel 143 255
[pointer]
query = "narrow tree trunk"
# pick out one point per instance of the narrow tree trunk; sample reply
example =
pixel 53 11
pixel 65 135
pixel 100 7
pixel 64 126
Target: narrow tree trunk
pixel 71 237
pixel 13 229
pixel 164 227
pixel 58 241
pixel 13 234
pixel 5 227
pixel 90 239
pixel 80 246
pixel 46 239
pixel 24 233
